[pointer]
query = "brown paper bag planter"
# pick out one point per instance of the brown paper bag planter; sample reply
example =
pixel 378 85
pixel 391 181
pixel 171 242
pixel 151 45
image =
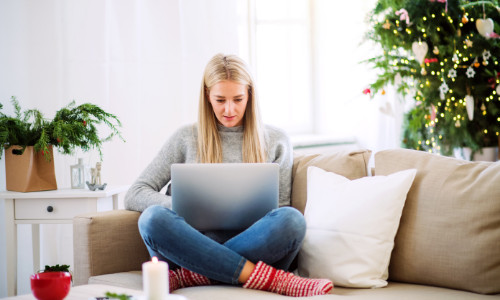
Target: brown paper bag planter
pixel 29 172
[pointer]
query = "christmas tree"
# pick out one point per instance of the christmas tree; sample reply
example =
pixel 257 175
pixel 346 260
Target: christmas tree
pixel 444 54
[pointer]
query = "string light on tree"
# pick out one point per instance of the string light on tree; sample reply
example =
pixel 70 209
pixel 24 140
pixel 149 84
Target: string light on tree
pixel 455 70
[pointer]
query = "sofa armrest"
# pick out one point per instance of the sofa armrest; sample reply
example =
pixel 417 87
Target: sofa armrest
pixel 105 243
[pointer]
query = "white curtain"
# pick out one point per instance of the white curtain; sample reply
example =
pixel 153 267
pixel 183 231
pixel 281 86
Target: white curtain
pixel 141 60
pixel 342 108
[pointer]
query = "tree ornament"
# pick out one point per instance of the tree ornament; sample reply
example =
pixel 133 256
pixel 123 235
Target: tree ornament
pixel 420 49
pixel 433 114
pixel 459 32
pixel 483 107
pixel 58 140
pixel 443 89
pixel 476 63
pixel 486 54
pixel 423 71
pixel 367 92
pixel 469 43
pixel 485 62
pixel 465 20
pixel 498 89
pixel 387 110
pixel 387 25
pixel 84 123
pixel 436 50
pixel 398 79
pixel 383 92
pixel 457 123
pixel 484 27
pixel 469 102
pixel 404 16
pixel 470 72
pixel 452 73
pixel 454 58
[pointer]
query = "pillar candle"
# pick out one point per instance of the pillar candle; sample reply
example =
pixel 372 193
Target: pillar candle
pixel 155 279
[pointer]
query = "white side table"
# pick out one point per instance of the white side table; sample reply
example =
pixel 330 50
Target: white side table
pixel 47 207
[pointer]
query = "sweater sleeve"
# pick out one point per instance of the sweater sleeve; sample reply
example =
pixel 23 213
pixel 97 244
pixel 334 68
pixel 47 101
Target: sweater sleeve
pixel 283 155
pixel 144 192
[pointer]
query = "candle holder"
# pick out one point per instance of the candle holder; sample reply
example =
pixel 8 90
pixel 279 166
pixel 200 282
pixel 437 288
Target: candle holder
pixel 80 173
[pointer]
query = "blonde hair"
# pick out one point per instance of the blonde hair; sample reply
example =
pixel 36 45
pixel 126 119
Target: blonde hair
pixel 229 68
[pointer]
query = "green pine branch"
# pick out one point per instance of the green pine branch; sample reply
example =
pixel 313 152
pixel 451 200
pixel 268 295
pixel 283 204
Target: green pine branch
pixel 72 127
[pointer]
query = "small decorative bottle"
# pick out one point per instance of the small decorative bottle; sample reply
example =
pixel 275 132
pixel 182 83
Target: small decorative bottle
pixel 79 174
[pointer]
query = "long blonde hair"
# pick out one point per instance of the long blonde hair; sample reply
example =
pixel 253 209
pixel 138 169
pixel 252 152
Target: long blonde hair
pixel 229 68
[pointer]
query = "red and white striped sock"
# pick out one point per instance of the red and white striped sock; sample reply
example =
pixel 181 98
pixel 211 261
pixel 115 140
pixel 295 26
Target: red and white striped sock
pixel 267 278
pixel 182 278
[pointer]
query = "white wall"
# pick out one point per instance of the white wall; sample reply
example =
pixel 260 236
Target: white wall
pixel 141 60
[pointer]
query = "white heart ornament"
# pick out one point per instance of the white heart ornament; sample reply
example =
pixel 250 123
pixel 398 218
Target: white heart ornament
pixel 469 102
pixel 420 50
pixel 484 26
pixel 387 110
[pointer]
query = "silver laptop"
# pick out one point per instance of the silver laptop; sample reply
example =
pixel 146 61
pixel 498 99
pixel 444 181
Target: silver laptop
pixel 224 196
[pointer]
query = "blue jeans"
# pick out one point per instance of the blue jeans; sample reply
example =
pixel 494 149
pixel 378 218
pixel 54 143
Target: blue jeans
pixel 275 239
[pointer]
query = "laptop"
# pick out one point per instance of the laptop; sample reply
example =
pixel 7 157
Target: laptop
pixel 224 196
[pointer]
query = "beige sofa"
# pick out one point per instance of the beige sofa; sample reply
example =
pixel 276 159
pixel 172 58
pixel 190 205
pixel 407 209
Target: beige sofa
pixel 447 246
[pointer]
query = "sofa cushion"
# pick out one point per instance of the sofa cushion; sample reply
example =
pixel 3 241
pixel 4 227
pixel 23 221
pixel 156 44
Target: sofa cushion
pixel 394 291
pixel 351 226
pixel 449 233
pixel 350 164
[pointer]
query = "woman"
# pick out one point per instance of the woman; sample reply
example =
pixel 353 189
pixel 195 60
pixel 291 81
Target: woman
pixel 229 130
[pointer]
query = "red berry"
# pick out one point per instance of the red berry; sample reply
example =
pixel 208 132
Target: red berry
pixel 84 123
pixel 58 140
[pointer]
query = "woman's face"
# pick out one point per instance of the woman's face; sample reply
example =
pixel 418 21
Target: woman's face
pixel 229 101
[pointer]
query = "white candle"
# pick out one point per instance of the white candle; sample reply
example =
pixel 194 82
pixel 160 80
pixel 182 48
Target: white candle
pixel 155 279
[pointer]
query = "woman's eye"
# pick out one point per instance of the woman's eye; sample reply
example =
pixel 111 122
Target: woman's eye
pixel 220 101
pixel 238 100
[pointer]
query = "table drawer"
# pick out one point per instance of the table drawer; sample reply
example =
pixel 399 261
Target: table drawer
pixel 36 209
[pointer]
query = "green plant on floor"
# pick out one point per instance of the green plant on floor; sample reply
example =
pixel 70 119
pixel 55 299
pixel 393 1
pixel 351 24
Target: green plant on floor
pixel 445 55
pixel 72 127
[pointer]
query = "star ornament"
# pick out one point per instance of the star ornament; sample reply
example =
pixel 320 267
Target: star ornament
pixel 486 55
pixel 470 72
pixel 468 43
pixel 443 88
pixel 452 73
pixel 387 25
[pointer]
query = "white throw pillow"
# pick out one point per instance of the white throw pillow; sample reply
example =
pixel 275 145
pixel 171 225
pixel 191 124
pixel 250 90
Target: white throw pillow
pixel 351 226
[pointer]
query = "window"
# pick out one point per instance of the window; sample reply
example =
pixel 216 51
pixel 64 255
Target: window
pixel 283 63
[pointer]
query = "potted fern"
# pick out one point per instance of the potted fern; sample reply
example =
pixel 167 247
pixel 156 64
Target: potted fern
pixel 29 139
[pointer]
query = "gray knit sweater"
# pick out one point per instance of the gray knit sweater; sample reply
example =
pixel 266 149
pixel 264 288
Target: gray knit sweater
pixel 182 148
